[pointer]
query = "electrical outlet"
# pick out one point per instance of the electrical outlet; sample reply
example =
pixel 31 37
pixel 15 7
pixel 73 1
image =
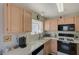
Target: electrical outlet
pixel 7 38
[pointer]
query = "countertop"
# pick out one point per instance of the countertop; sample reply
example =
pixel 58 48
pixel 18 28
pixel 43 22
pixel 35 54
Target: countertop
pixel 31 46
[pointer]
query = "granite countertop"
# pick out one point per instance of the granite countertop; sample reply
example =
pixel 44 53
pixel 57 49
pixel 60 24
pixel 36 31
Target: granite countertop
pixel 31 46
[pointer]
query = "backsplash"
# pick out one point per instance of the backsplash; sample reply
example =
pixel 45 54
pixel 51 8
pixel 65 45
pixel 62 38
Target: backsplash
pixel 29 37
pixel 13 42
pixel 52 34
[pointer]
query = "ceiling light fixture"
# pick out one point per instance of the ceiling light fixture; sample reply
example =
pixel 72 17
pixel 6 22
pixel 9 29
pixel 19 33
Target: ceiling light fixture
pixel 60 7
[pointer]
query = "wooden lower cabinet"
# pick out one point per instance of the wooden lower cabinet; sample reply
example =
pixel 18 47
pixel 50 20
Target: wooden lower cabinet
pixel 53 46
pixel 50 47
pixel 47 48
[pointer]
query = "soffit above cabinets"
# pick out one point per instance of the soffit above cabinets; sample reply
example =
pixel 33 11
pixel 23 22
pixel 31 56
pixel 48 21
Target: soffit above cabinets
pixel 50 10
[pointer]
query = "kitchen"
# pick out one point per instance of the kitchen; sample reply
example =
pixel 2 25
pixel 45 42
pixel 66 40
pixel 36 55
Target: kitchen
pixel 39 29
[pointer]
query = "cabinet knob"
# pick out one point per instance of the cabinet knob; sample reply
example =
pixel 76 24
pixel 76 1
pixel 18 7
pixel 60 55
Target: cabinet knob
pixel 76 37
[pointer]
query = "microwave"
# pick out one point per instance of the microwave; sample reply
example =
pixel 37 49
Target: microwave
pixel 66 27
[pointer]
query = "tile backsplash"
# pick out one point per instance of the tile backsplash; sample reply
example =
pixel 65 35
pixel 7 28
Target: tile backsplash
pixel 13 42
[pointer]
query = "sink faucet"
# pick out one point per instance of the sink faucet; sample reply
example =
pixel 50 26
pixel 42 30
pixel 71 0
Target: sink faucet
pixel 40 37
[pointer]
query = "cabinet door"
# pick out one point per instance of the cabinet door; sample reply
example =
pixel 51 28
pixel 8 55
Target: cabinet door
pixel 7 21
pixel 27 21
pixel 47 48
pixel 77 23
pixel 47 25
pixel 50 47
pixel 54 46
pixel 53 25
pixel 69 20
pixel 14 19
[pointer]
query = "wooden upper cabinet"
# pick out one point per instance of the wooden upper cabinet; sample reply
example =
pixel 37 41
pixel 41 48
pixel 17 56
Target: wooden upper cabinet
pixel 60 21
pixel 27 21
pixel 69 20
pixel 13 20
pixel 17 20
pixel 7 21
pixel 47 25
pixel 53 25
pixel 77 23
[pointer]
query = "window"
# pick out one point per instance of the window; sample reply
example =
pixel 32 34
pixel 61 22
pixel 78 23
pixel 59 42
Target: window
pixel 37 26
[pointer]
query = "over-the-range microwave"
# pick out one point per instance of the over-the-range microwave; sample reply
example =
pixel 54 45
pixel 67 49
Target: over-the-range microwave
pixel 66 27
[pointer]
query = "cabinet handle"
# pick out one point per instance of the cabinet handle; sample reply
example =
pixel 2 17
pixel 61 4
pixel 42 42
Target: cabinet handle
pixel 7 29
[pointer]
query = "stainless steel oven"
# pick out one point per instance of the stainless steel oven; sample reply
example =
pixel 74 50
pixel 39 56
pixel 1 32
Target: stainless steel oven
pixel 67 47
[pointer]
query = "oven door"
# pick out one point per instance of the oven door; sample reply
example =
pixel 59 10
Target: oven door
pixel 68 48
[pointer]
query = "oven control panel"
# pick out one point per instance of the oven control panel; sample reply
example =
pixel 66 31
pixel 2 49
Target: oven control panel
pixel 70 40
pixel 66 39
pixel 66 36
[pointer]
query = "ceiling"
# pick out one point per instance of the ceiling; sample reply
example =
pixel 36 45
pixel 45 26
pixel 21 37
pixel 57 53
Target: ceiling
pixel 50 9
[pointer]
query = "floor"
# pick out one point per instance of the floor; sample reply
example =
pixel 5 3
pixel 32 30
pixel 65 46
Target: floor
pixel 60 53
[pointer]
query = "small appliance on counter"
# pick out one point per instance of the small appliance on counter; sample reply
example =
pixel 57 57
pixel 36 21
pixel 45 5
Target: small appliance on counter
pixel 46 34
pixel 22 42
